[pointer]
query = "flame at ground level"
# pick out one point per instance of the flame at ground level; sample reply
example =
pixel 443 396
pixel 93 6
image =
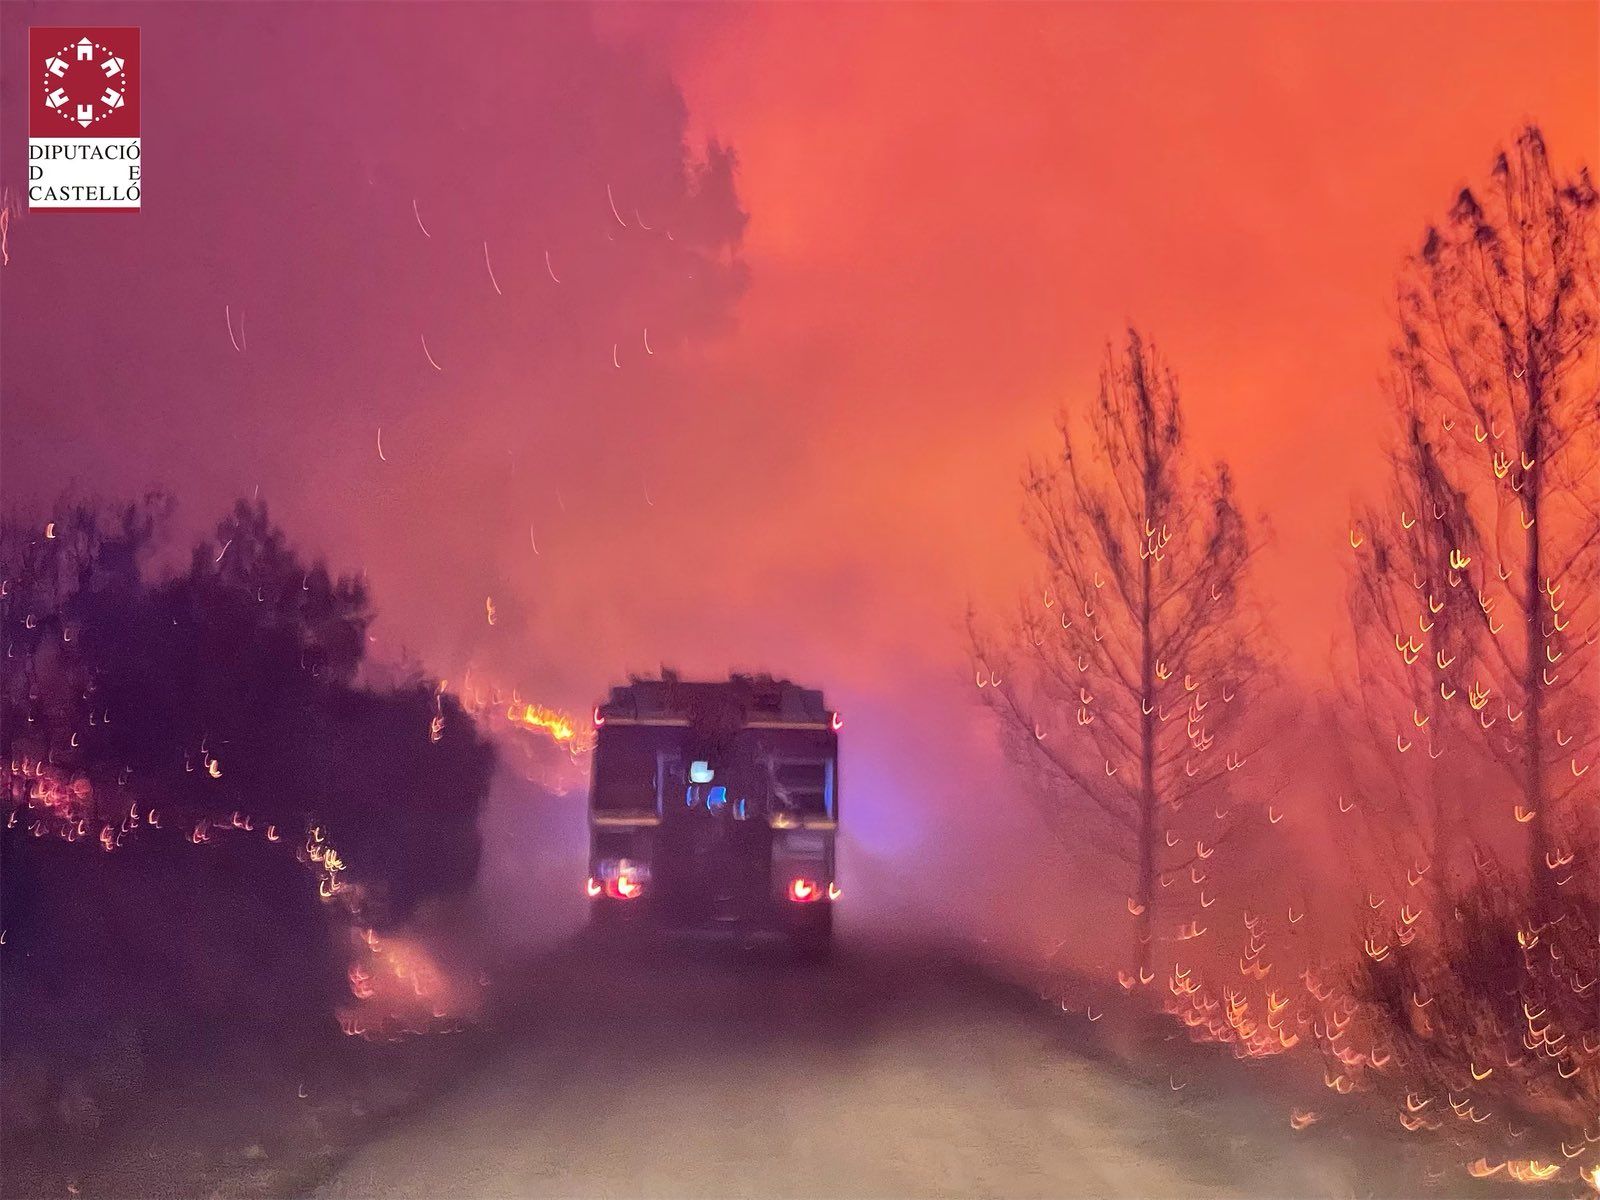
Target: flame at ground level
pixel 399 988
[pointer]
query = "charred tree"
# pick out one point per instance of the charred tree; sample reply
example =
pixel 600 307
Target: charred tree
pixel 1119 682
pixel 1499 531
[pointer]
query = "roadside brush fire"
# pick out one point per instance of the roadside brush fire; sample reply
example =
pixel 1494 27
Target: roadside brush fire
pixel 398 987
pixel 547 745
pixel 1491 1028
pixel 1464 1023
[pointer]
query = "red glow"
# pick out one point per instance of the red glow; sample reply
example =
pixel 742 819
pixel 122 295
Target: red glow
pixel 624 889
pixel 805 891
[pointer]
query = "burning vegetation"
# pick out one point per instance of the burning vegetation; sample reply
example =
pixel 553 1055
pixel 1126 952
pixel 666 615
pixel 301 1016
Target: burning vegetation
pixel 1456 990
pixel 210 823
pixel 1475 613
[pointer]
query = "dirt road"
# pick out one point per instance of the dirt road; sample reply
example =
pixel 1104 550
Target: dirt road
pixel 706 1072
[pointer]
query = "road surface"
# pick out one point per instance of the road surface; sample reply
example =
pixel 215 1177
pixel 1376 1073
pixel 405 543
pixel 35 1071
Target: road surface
pixel 717 1072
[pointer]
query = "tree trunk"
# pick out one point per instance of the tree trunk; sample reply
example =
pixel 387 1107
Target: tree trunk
pixel 1148 831
pixel 1540 879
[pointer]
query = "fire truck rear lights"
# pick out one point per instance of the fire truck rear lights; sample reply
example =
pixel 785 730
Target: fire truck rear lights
pixel 805 891
pixel 624 889
pixel 619 878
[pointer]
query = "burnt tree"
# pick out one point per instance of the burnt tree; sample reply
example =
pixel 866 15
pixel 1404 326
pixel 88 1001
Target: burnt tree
pixel 1497 364
pixel 1119 683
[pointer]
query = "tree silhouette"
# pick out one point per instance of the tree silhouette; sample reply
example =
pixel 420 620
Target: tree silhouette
pixel 1120 682
pixel 1481 574
pixel 199 799
pixel 1472 606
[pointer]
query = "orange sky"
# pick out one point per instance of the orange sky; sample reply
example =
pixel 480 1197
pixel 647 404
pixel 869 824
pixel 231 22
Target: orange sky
pixel 953 208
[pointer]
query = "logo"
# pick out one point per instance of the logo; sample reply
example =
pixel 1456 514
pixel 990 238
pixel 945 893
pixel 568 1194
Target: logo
pixel 84 147
pixel 71 77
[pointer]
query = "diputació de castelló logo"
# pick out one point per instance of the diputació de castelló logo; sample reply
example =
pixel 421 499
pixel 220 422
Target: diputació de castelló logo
pixel 84 149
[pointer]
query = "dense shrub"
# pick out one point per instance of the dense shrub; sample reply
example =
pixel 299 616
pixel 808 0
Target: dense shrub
pixel 202 804
pixel 1486 1025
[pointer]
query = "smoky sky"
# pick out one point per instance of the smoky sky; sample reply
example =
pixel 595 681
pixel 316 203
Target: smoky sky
pixel 743 319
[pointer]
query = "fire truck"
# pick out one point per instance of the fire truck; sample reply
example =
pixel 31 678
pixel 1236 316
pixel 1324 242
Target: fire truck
pixel 716 806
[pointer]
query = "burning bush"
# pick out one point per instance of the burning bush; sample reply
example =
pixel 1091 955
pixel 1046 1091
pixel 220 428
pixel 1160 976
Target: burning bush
pixel 1490 1027
pixel 211 829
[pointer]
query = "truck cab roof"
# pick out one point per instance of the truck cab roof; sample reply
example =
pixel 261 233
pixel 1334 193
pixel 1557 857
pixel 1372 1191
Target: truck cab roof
pixel 739 700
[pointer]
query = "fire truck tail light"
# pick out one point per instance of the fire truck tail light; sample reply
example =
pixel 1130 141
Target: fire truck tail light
pixel 805 891
pixel 624 888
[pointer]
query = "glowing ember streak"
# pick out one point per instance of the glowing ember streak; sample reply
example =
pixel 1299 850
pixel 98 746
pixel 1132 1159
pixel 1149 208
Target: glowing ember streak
pixel 1525 1170
pixel 490 269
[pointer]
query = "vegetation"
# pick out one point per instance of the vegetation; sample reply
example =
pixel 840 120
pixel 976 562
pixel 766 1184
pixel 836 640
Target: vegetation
pixel 1468 722
pixel 1122 680
pixel 1475 613
pixel 210 824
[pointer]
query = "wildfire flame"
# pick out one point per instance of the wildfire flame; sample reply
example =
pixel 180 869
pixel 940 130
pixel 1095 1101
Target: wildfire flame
pixel 399 989
pixel 535 716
